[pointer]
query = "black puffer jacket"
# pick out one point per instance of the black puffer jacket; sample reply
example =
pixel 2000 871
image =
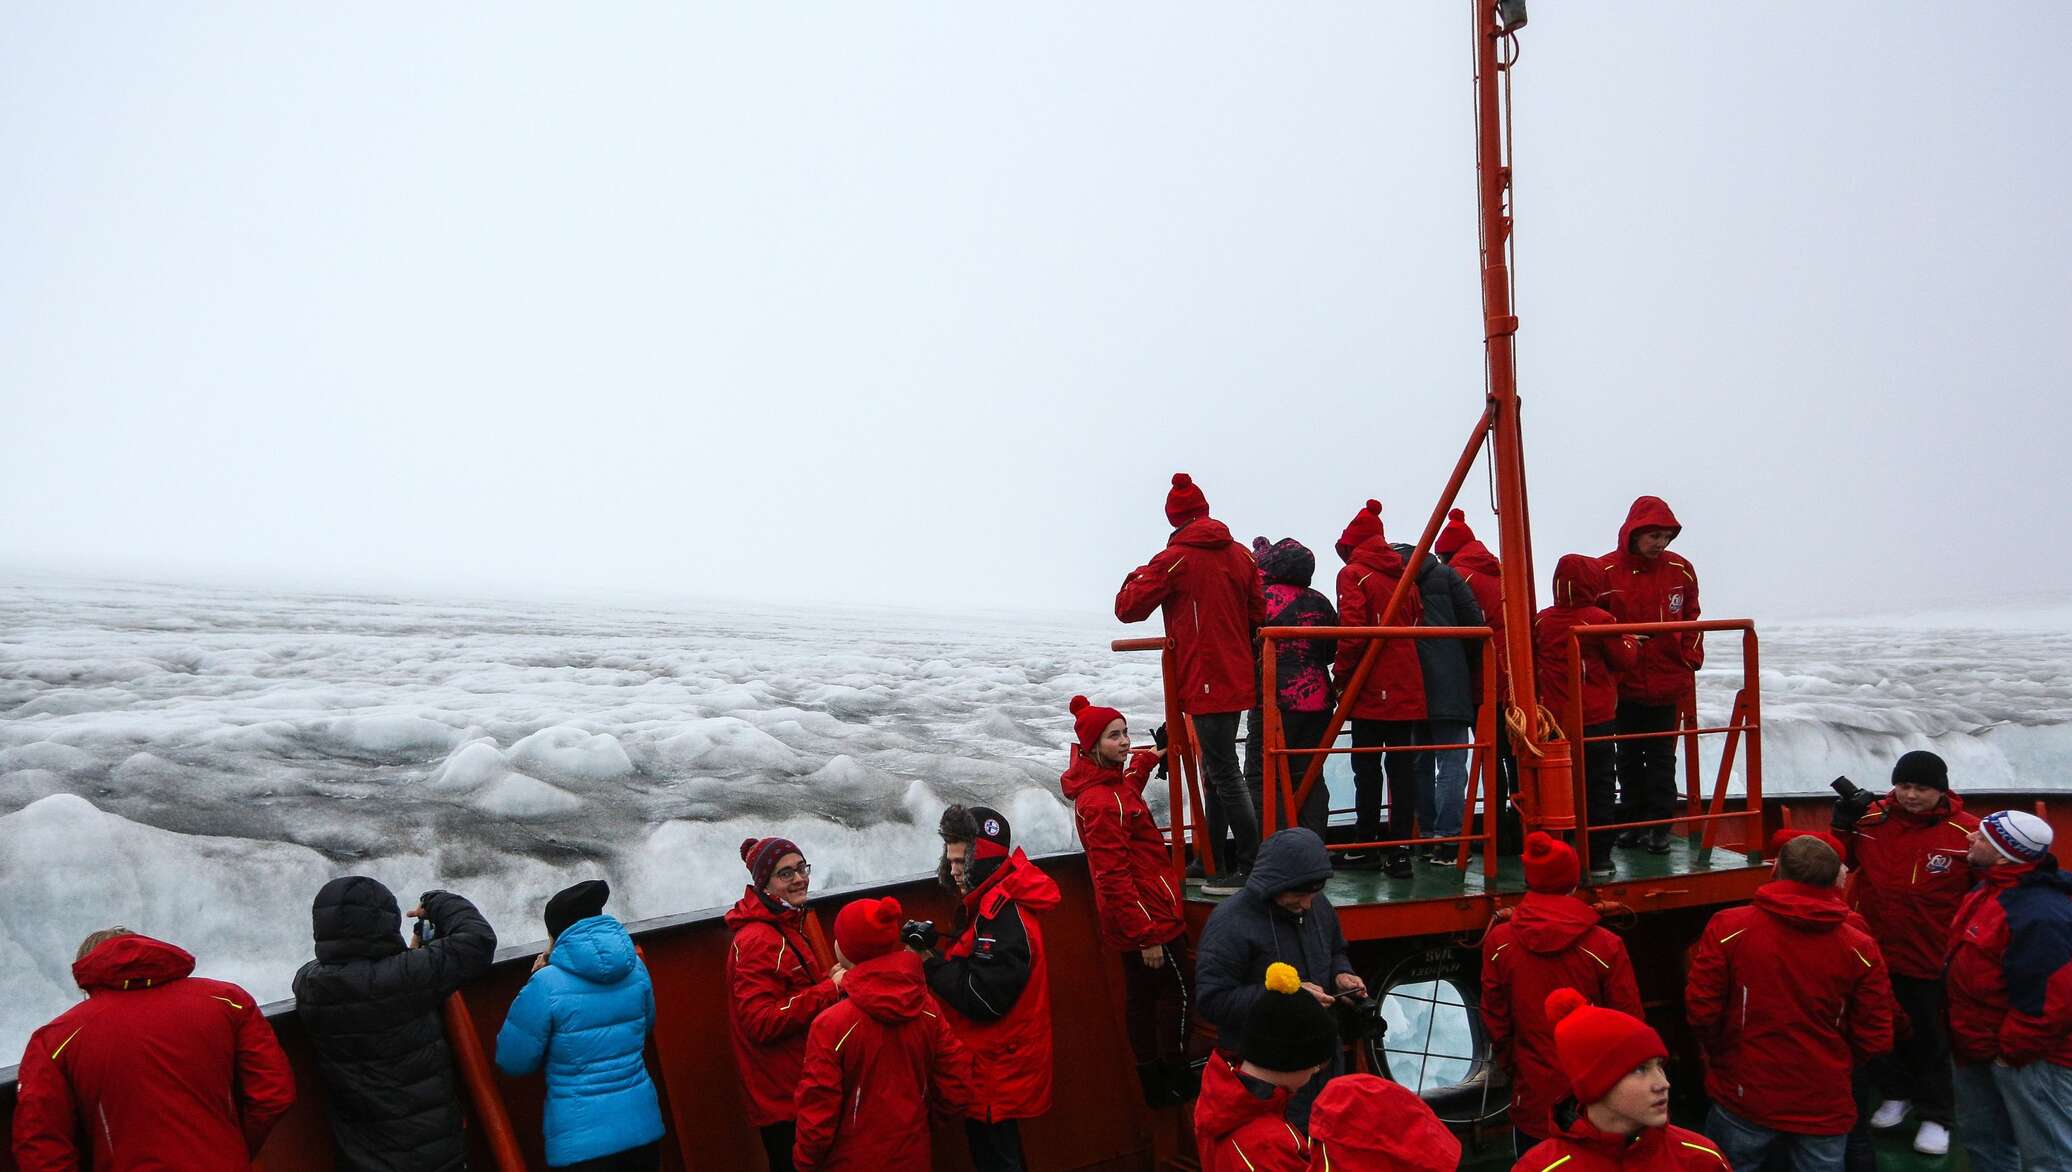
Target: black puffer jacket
pixel 371 1008
pixel 1449 680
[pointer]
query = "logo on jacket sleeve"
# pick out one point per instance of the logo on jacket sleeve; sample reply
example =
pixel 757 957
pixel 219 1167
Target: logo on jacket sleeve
pixel 1676 603
pixel 1940 863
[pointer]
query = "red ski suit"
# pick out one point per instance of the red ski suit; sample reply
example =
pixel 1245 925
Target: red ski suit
pixel 1988 1019
pixel 155 1069
pixel 775 988
pixel 1125 853
pixel 1207 587
pixel 1908 877
pixel 1550 942
pixel 1578 582
pixel 1010 1055
pixel 1237 1131
pixel 1583 1148
pixel 1395 687
pixel 1785 996
pixel 871 1061
pixel 1663 589
pixel 1485 577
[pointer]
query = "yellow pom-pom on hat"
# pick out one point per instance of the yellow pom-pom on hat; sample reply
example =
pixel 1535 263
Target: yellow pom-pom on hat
pixel 1282 978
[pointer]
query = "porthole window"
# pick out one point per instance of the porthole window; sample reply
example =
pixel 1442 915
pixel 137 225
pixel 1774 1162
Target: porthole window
pixel 1431 1042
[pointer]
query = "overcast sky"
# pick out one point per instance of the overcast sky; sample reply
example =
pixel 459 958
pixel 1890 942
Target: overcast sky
pixel 914 303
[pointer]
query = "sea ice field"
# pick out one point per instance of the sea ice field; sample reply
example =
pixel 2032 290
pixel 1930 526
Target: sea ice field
pixel 195 762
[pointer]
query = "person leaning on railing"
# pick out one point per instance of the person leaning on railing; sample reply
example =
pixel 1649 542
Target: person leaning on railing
pixel 1578 582
pixel 1389 708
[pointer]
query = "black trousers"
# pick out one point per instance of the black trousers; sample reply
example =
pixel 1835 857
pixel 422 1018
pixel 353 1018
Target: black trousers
pixel 1600 786
pixel 1401 769
pixel 1647 768
pixel 1301 730
pixel 1229 806
pixel 995 1147
pixel 777 1143
pixel 647 1159
pixel 1919 1066
pixel 1155 1005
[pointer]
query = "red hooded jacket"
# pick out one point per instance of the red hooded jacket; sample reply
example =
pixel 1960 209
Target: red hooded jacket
pixel 1550 942
pixel 2010 968
pixel 1125 853
pixel 1583 1148
pixel 1484 575
pixel 1578 583
pixel 1237 1131
pixel 775 987
pixel 1395 687
pixel 871 1061
pixel 1010 1054
pixel 1362 1123
pixel 1908 877
pixel 1786 995
pixel 155 1069
pixel 1663 589
pixel 1208 589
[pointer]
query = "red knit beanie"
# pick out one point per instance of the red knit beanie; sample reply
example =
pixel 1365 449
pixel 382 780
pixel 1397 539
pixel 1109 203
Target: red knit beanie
pixel 760 856
pixel 1785 835
pixel 1090 720
pixel 1598 1047
pixel 1455 535
pixel 1185 502
pixel 1366 524
pixel 868 928
pixel 1551 865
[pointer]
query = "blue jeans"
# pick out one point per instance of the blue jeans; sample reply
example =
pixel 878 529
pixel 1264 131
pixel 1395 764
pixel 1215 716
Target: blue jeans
pixel 2038 1100
pixel 1745 1145
pixel 1442 778
pixel 1982 1127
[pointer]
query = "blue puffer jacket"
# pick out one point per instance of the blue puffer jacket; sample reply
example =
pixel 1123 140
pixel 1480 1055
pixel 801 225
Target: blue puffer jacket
pixel 586 1018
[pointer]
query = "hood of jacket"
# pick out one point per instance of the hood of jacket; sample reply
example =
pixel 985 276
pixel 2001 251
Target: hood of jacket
pixel 355 918
pixel 1802 905
pixel 889 988
pixel 754 908
pixel 1207 532
pixel 1226 1103
pixel 1287 562
pixel 1294 857
pixel 1579 581
pixel 1548 924
pixel 1367 1123
pixel 1376 553
pixel 1475 558
pixel 1648 512
pixel 596 949
pixel 1085 773
pixel 1021 881
pixel 1943 810
pixel 2044 872
pixel 129 961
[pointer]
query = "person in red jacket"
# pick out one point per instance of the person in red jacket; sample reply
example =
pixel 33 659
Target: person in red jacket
pixel 1785 995
pixel 1484 574
pixel 157 1068
pixel 1578 583
pixel 776 986
pixel 1906 854
pixel 2010 1000
pixel 995 980
pixel 874 1057
pixel 1208 589
pixel 1551 940
pixel 1240 1120
pixel 1390 708
pixel 1648 584
pixel 1362 1123
pixel 1134 895
pixel 1618 1117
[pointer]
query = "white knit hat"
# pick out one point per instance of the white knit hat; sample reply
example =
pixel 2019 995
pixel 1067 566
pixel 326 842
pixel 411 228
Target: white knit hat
pixel 2019 837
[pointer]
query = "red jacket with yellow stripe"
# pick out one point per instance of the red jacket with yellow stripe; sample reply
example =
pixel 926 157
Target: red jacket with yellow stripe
pixel 776 986
pixel 1550 942
pixel 1786 995
pixel 1207 587
pixel 1125 853
pixel 1583 1148
pixel 1237 1131
pixel 1908 878
pixel 1661 589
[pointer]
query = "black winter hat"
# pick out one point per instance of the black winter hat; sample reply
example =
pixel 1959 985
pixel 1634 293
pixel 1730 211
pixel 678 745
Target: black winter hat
pixel 1921 767
pixel 580 902
pixel 1287 1029
pixel 994 843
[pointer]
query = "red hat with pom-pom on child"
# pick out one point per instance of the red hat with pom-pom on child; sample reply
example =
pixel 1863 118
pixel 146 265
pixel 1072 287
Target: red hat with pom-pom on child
pixel 1551 865
pixel 868 928
pixel 1185 503
pixel 1596 1046
pixel 1364 527
pixel 1089 720
pixel 1455 535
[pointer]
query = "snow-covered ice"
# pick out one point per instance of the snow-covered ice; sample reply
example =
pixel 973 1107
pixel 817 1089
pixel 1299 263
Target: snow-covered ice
pixel 195 763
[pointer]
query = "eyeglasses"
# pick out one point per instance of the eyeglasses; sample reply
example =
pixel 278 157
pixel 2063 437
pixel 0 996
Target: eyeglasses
pixel 787 874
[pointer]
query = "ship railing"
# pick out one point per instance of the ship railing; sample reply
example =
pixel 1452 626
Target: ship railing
pixel 1700 819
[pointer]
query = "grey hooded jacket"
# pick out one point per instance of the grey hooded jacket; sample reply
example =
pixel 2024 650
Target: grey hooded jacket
pixel 1249 931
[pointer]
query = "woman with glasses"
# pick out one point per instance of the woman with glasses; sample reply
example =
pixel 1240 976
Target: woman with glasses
pixel 776 986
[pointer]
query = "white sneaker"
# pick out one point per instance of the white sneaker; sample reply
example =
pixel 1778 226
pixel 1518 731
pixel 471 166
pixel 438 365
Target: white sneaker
pixel 1890 1113
pixel 1932 1140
